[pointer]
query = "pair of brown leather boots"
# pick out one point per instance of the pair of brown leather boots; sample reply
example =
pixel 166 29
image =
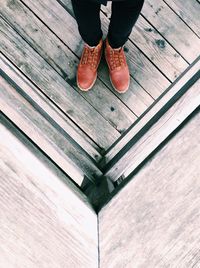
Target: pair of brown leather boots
pixel 89 62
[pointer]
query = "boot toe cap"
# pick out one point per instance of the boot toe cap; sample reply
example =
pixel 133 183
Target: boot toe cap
pixel 120 81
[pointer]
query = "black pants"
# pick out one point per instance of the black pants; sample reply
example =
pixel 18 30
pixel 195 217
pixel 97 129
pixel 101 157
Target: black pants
pixel 124 15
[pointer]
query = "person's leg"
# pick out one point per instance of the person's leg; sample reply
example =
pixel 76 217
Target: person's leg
pixel 87 15
pixel 124 16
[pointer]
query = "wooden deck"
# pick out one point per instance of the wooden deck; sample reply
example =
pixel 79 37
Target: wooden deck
pixel 40 49
pixel 82 173
pixel 154 220
pixel 45 221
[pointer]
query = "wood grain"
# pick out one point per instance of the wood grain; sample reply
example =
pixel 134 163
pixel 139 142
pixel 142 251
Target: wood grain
pixel 46 105
pixel 167 96
pixel 60 148
pixel 62 59
pixel 137 99
pixel 156 134
pixel 154 220
pixel 157 49
pixel 172 28
pixel 188 11
pixel 56 88
pixel 43 223
pixel 141 68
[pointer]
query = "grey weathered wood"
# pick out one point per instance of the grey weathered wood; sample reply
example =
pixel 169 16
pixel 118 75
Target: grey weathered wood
pixel 56 88
pixel 43 223
pixel 169 94
pixel 46 105
pixel 60 148
pixel 141 68
pixel 154 220
pixel 65 62
pixel 172 28
pixel 188 11
pixel 156 134
pixel 158 50
pixel 136 98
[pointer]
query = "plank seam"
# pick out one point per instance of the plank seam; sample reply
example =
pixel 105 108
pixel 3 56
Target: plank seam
pixel 47 117
pixel 113 165
pixel 181 18
pixel 100 150
pixel 30 141
pixel 125 180
pixel 68 80
pixel 130 74
pixel 112 147
pixel 168 41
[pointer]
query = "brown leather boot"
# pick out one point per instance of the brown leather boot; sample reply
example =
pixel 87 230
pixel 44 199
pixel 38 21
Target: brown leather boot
pixel 87 68
pixel 118 68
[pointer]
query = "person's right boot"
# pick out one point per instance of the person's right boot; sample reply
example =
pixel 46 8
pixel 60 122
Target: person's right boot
pixel 87 68
pixel 118 68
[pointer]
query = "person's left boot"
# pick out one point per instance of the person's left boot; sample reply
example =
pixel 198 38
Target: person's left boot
pixel 87 68
pixel 118 68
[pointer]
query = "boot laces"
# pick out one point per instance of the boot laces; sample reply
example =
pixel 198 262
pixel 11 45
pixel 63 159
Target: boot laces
pixel 116 58
pixel 90 57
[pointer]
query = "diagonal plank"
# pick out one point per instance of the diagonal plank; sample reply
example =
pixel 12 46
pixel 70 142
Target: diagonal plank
pixel 140 66
pixel 152 44
pixel 154 220
pixel 172 28
pixel 41 212
pixel 56 88
pixel 65 62
pixel 154 112
pixel 44 104
pixel 137 99
pixel 60 148
pixel 188 11
pixel 178 103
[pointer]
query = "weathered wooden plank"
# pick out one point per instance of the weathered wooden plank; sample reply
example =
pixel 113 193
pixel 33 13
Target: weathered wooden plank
pixel 172 28
pixel 45 161
pixel 43 222
pixel 137 99
pixel 188 11
pixel 46 105
pixel 60 148
pixel 58 90
pixel 158 50
pixel 53 50
pixel 141 68
pixel 156 134
pixel 154 220
pixel 153 112
pixel 152 44
pixel 118 114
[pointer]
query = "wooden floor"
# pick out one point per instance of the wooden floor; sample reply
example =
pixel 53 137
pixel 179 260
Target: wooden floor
pixel 45 221
pixel 68 158
pixel 154 220
pixel 40 49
